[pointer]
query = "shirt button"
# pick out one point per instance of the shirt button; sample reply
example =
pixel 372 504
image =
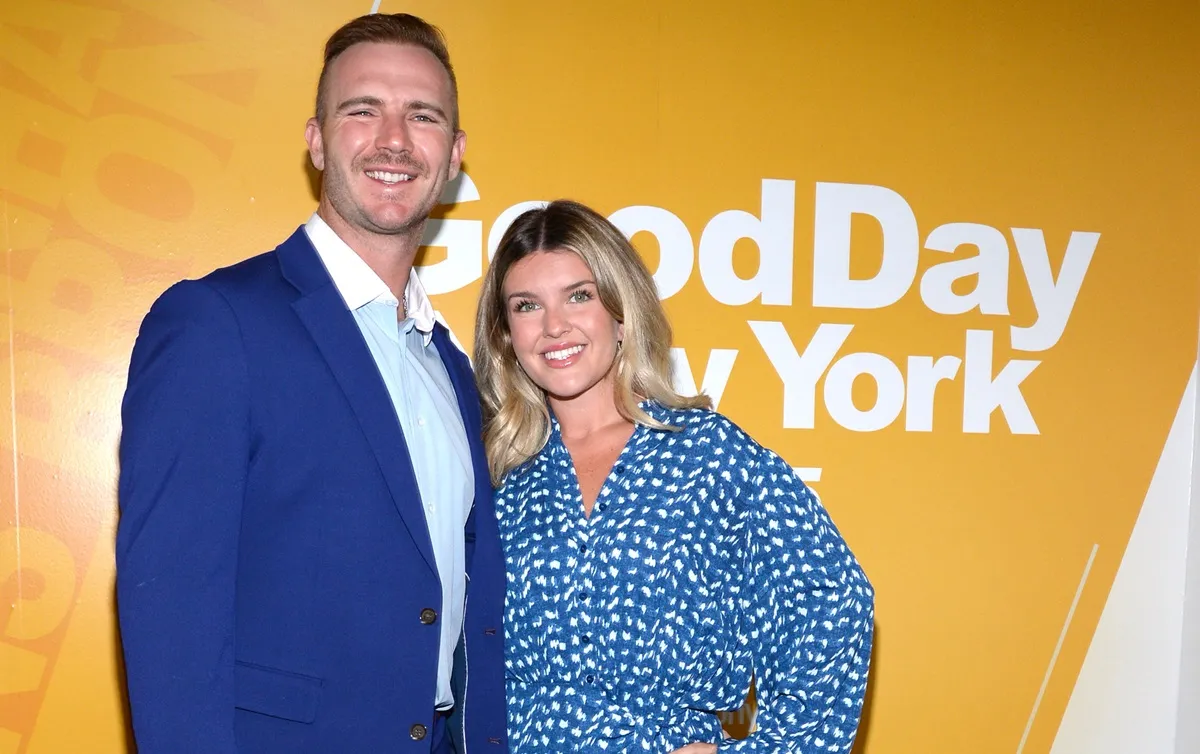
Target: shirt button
pixel 428 617
pixel 417 732
pixel 420 421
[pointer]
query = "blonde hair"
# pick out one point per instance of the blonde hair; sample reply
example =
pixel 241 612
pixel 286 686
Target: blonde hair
pixel 516 417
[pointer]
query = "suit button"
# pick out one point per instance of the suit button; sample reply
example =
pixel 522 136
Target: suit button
pixel 428 617
pixel 417 732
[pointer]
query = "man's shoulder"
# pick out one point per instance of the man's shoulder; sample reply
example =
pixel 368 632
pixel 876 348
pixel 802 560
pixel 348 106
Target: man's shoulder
pixel 255 272
pixel 241 289
pixel 253 281
pixel 247 274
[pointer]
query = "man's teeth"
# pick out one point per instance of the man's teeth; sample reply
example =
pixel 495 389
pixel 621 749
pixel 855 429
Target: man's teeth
pixel 564 353
pixel 380 175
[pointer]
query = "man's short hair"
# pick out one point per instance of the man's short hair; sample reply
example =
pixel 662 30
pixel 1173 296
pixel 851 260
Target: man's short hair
pixel 394 28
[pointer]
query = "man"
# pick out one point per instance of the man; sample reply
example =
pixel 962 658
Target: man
pixel 306 513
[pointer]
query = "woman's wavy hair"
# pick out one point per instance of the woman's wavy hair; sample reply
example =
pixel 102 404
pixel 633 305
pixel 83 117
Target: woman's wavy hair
pixel 516 417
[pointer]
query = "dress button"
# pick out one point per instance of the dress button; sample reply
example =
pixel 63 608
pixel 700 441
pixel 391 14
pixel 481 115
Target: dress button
pixel 620 468
pixel 428 616
pixel 417 732
pixel 583 548
pixel 585 639
pixel 603 506
pixel 583 596
pixel 590 679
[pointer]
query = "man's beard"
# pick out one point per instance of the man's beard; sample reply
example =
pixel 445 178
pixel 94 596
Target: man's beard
pixel 347 205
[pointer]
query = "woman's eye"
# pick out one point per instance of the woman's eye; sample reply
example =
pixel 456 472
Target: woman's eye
pixel 524 306
pixel 581 296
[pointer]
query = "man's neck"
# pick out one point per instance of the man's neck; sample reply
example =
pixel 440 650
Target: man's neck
pixel 389 256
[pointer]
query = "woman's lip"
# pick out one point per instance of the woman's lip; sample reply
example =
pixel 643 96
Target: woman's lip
pixel 566 361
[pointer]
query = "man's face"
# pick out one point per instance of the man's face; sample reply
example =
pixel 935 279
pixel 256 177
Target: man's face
pixel 388 145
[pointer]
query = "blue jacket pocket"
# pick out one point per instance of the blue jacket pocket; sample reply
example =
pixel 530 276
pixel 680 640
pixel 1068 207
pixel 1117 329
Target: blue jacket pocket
pixel 277 693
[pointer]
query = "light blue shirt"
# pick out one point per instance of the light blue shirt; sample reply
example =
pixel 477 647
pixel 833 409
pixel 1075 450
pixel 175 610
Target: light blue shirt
pixel 426 406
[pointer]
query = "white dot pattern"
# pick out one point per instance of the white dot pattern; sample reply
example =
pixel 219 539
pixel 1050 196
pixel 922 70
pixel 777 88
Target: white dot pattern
pixel 705 562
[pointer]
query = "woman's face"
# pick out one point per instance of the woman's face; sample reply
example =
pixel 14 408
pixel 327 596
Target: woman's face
pixel 564 338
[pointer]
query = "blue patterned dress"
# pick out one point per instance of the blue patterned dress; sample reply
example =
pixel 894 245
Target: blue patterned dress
pixel 705 562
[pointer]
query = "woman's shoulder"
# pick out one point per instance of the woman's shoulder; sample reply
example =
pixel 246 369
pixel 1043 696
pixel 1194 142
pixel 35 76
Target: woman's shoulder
pixel 703 426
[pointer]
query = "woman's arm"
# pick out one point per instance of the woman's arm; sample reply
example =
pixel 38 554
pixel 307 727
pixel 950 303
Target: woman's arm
pixel 808 611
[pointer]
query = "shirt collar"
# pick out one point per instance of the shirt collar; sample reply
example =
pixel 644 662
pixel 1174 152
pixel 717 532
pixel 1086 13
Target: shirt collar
pixel 359 285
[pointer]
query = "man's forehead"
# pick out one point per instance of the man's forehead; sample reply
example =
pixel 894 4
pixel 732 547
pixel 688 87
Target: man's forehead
pixel 387 71
pixel 389 59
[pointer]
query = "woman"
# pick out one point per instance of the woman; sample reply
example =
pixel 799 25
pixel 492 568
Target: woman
pixel 657 557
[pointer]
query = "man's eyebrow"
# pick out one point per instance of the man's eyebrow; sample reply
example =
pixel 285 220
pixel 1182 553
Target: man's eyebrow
pixel 429 106
pixel 359 102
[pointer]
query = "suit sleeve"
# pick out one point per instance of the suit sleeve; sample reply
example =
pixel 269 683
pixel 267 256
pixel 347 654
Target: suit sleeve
pixel 810 614
pixel 184 454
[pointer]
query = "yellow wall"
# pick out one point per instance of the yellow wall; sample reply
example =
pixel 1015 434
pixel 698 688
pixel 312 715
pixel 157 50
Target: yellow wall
pixel 142 141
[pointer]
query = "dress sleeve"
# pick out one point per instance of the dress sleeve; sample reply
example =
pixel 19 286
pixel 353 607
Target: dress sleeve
pixel 808 613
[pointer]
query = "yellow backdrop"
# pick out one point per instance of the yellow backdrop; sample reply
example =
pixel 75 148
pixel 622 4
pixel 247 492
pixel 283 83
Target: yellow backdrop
pixel 938 254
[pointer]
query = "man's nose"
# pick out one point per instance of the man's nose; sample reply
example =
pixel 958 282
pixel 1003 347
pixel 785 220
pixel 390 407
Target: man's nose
pixel 394 134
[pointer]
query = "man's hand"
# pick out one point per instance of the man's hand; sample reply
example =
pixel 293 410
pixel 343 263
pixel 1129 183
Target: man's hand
pixel 697 749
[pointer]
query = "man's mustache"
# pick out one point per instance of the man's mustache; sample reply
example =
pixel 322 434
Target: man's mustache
pixel 402 160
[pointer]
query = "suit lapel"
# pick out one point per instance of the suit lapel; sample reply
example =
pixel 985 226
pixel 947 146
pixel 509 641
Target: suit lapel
pixel 340 342
pixel 463 380
pixel 482 530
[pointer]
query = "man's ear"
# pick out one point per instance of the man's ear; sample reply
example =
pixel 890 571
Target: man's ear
pixel 456 154
pixel 316 145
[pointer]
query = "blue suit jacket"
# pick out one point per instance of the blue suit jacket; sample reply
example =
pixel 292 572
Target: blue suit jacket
pixel 273 560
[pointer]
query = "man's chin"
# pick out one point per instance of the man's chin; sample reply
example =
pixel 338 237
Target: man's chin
pixel 383 218
pixel 396 222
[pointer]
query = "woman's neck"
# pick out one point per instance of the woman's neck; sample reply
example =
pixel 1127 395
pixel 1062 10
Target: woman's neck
pixel 586 415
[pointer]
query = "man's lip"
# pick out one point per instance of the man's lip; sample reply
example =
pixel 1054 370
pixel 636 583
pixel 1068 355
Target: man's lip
pixel 411 176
